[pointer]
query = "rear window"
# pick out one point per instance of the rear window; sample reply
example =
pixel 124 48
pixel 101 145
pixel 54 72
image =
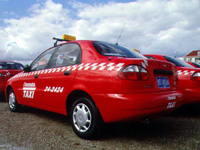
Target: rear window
pixel 178 62
pixel 196 64
pixel 107 49
pixel 11 65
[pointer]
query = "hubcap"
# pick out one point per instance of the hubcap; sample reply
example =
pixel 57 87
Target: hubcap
pixel 82 117
pixel 12 100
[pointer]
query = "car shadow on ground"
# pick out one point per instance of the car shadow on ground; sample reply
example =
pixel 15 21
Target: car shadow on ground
pixel 45 114
pixel 181 124
pixel 168 128
pixel 2 97
pixel 159 128
pixel 189 111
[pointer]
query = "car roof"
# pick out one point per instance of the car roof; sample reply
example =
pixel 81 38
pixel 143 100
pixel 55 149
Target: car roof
pixel 154 54
pixel 75 41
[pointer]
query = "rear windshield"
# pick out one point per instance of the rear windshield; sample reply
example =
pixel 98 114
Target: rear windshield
pixel 196 64
pixel 107 49
pixel 11 65
pixel 178 62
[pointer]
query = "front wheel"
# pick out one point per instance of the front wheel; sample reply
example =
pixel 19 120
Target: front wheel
pixel 85 118
pixel 12 102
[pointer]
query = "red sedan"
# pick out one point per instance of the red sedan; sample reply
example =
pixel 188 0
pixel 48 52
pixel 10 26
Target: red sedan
pixel 7 70
pixel 189 77
pixel 95 82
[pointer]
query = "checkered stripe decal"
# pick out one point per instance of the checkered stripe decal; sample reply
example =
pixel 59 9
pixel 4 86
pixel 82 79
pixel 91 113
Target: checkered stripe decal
pixel 145 64
pixel 185 72
pixel 87 66
pixel 96 66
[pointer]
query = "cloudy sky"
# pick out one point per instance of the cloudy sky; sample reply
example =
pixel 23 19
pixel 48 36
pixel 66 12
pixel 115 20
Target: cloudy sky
pixel 169 27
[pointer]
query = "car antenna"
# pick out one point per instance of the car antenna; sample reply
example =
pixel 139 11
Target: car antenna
pixel 120 34
pixel 178 49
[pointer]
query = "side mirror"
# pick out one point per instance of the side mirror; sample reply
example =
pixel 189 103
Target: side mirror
pixel 27 68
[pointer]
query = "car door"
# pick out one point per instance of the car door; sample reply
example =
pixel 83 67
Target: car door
pixel 31 81
pixel 59 77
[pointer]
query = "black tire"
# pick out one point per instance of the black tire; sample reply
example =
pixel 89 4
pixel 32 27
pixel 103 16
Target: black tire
pixel 85 118
pixel 12 102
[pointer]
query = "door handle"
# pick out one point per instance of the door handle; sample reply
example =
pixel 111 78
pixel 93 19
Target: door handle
pixel 66 73
pixel 36 76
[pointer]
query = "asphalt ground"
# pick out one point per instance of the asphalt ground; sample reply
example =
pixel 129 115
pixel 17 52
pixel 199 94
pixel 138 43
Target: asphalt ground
pixel 35 129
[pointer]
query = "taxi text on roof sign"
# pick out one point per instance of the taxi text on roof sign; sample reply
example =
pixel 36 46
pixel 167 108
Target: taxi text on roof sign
pixel 69 37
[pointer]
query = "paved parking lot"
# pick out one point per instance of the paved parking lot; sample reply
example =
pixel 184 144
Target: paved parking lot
pixel 35 129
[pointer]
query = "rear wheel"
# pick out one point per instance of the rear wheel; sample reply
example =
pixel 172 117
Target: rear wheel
pixel 85 118
pixel 12 102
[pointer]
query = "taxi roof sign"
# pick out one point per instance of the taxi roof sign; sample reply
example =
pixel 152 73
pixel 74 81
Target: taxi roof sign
pixel 65 38
pixel 69 37
pixel 136 50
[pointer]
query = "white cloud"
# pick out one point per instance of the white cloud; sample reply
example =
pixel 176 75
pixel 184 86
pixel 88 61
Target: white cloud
pixel 33 34
pixel 152 26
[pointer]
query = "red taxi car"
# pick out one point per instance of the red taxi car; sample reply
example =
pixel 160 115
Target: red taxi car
pixel 7 70
pixel 95 82
pixel 189 77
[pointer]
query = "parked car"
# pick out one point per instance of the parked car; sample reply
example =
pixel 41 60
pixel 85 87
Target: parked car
pixel 7 70
pixel 194 64
pixel 189 77
pixel 4 74
pixel 95 82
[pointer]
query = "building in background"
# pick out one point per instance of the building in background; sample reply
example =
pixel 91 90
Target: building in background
pixel 193 56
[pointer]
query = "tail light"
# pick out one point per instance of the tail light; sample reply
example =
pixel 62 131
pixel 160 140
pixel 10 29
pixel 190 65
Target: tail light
pixel 2 75
pixel 176 74
pixel 134 72
pixel 175 77
pixel 195 76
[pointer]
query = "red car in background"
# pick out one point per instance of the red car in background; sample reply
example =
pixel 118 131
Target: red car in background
pixel 94 82
pixel 188 77
pixel 7 70
pixel 194 64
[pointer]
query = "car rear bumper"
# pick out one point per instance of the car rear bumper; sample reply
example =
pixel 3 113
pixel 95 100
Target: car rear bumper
pixel 126 107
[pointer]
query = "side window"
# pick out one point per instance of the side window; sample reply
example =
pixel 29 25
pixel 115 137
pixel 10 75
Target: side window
pixel 68 54
pixel 42 61
pixel 4 65
pixel 18 66
pixel 150 57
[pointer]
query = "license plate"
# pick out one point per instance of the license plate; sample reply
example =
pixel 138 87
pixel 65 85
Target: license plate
pixel 163 82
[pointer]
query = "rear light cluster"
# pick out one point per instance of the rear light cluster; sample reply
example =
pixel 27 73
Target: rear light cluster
pixel 134 72
pixel 196 76
pixel 2 75
pixel 175 77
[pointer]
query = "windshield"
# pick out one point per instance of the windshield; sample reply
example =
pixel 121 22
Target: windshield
pixel 178 62
pixel 108 49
